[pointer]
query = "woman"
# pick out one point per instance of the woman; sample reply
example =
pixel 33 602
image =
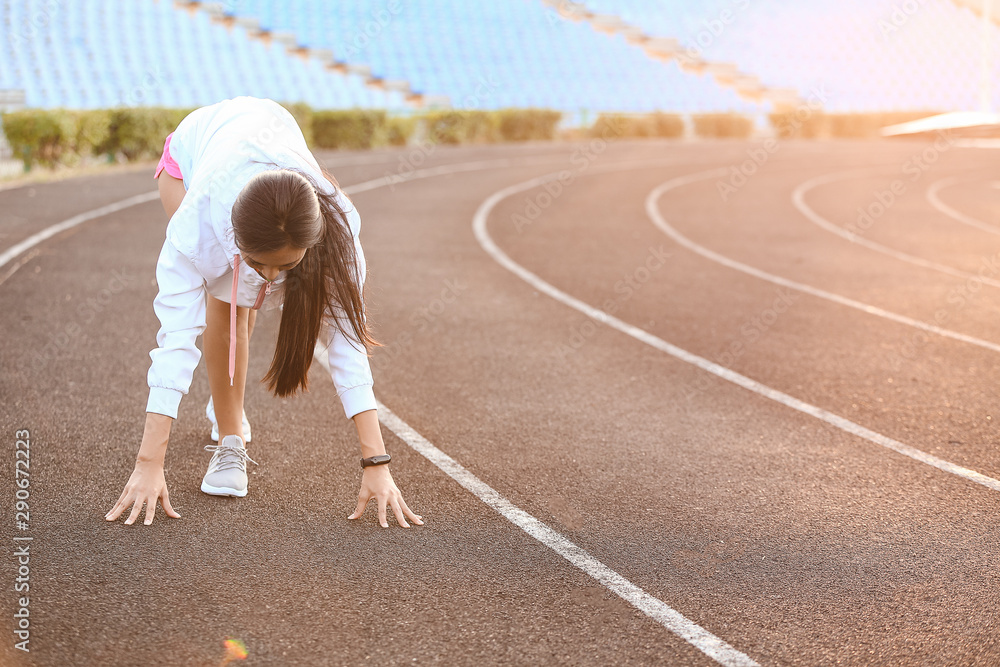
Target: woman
pixel 254 220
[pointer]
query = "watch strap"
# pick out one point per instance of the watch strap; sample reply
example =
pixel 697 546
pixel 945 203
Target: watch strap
pixel 379 460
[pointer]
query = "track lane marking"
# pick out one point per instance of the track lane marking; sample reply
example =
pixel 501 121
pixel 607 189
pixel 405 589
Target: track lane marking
pixel 936 202
pixel 482 235
pixel 654 213
pixel 649 605
pixel 798 199
pixel 23 246
pixel 7 255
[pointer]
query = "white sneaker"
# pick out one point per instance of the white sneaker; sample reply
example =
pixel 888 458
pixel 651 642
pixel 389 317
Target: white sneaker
pixel 227 471
pixel 210 413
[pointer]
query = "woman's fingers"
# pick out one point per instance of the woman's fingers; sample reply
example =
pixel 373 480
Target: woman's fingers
pixel 166 505
pixel 116 510
pixel 360 509
pixel 120 506
pixel 136 508
pixel 150 509
pixel 386 495
pixel 395 502
pixel 381 513
pixel 415 518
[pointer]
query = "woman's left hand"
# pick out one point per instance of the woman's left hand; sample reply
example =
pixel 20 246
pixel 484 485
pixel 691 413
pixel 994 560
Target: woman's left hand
pixel 376 482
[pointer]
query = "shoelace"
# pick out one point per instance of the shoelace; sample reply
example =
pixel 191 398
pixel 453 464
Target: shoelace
pixel 230 457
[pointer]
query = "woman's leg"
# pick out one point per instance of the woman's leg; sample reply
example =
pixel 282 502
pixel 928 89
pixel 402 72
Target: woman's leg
pixel 228 400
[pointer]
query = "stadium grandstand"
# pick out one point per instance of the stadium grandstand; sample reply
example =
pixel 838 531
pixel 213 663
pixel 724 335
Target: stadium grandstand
pixel 576 57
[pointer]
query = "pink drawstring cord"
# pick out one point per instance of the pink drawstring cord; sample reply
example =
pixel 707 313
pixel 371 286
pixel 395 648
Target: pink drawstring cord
pixel 232 321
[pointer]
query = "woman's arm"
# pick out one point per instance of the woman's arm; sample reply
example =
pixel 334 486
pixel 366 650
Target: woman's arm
pixel 376 481
pixel 369 433
pixel 180 307
pixel 155 437
pixel 147 483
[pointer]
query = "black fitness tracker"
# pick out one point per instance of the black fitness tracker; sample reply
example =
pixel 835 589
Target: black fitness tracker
pixel 379 460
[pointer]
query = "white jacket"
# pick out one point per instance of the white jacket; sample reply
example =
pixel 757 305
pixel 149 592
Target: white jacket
pixel 214 147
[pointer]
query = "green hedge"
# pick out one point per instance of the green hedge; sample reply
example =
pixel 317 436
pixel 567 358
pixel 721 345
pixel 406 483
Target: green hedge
pixel 349 129
pixel 363 128
pixel 137 133
pixel 60 136
pixel 631 125
pixel 462 126
pixel 52 137
pixel 56 136
pixel 807 124
pixel 527 124
pixel 722 125
pixel 303 115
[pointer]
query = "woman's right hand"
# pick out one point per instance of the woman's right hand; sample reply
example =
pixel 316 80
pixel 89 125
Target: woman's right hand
pixel 147 484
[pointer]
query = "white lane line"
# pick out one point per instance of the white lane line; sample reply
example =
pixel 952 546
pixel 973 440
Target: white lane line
pixel 654 213
pixel 478 165
pixel 49 232
pixel 651 606
pixel 935 201
pixel 402 158
pixel 798 198
pixel 455 168
pixel 479 225
pixel 656 609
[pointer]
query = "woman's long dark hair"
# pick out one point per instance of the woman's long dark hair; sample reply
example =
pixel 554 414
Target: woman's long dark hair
pixel 286 207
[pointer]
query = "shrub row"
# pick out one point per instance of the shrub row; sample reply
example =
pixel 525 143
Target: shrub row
pixel 659 124
pixel 807 124
pixel 630 125
pixel 52 137
pixel 359 128
pixel 356 129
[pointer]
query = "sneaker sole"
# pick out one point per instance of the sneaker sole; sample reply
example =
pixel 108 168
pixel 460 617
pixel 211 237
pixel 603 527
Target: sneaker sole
pixel 222 491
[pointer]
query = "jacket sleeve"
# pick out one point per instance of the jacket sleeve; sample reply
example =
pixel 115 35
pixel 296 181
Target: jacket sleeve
pixel 349 367
pixel 180 307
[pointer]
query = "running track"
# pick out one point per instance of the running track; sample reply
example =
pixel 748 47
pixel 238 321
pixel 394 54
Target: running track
pixel 644 424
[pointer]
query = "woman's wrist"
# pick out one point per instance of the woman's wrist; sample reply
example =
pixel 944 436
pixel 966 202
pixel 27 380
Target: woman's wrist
pixel 155 437
pixel 369 433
